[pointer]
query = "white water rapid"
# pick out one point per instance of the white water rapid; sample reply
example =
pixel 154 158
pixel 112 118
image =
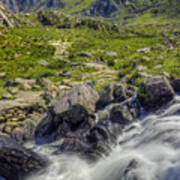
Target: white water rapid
pixel 148 149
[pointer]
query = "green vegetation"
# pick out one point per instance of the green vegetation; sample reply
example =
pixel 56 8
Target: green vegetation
pixel 89 49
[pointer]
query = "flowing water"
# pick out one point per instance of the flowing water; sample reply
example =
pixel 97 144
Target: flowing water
pixel 148 149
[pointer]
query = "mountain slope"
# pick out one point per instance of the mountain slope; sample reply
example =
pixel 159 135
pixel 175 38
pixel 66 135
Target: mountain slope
pixel 6 18
pixel 104 8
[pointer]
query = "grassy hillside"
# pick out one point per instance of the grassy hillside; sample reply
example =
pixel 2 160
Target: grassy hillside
pixel 89 49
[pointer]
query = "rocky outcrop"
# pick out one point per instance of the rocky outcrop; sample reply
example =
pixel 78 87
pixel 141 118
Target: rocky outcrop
pixel 16 161
pixel 103 8
pixel 74 124
pixel 19 117
pixel 73 110
pixel 23 6
pixel 155 91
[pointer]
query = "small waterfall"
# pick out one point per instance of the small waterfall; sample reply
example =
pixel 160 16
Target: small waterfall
pixel 148 149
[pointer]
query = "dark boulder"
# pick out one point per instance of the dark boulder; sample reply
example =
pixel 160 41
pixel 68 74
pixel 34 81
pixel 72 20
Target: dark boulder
pixel 16 161
pixel 92 144
pixel 175 83
pixel 115 93
pixel 155 91
pixel 126 112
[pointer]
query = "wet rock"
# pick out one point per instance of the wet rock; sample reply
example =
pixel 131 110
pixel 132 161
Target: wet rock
pixel 176 84
pixel 16 161
pixel 114 93
pixel 124 113
pixel 103 115
pixel 155 91
pixel 73 110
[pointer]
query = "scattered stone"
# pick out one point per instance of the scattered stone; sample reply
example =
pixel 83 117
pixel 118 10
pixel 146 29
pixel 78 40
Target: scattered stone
pixel 145 59
pixel 7 96
pixel 64 73
pixel 141 68
pixel 2 75
pixel 43 63
pixel 159 66
pixel 44 82
pixel 127 47
pixel 84 54
pixel 112 54
pixel 144 50
pixel 14 91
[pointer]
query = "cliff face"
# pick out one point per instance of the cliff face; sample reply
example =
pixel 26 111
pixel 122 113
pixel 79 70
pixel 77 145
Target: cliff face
pixel 6 18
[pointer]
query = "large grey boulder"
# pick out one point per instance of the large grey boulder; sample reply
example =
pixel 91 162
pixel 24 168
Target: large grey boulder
pixel 73 110
pixel 83 95
pixel 155 91
pixel 16 161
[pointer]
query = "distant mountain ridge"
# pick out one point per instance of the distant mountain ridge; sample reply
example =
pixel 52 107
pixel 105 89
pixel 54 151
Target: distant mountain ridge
pixel 105 8
pixel 6 17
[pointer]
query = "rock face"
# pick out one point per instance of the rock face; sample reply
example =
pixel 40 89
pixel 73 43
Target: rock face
pixel 155 92
pixel 16 161
pixel 103 8
pixel 71 111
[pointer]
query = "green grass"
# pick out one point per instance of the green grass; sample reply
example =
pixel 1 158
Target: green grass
pixel 22 48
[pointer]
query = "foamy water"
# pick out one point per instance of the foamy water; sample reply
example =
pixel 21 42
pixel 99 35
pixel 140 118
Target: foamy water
pixel 147 150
